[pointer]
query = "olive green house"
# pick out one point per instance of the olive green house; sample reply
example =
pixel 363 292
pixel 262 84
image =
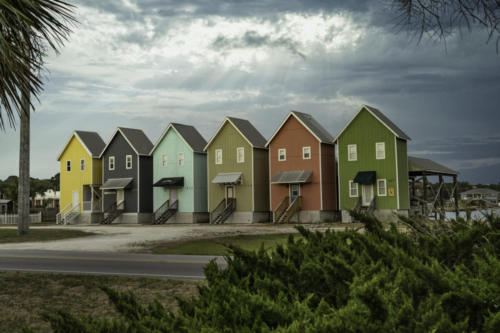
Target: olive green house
pixel 372 166
pixel 237 174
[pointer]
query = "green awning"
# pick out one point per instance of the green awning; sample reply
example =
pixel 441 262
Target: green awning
pixel 365 177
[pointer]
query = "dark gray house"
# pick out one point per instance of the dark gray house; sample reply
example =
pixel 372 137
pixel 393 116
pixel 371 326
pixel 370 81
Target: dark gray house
pixel 127 173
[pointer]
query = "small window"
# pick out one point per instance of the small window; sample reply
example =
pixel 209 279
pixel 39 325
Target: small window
pixel 128 162
pixel 218 156
pixel 240 155
pixel 82 165
pixel 352 153
pixel 353 189
pixel 111 163
pixel 282 154
pixel 164 160
pixel 380 150
pixel 68 165
pixel 180 159
pixel 381 187
pixel 306 153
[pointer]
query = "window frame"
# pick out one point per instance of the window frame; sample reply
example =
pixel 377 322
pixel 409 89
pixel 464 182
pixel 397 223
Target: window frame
pixel 351 182
pixel 68 165
pixel 111 158
pixel 355 146
pixel 127 160
pixel 242 149
pixel 279 154
pixel 82 164
pixel 180 161
pixel 217 151
pixel 385 187
pixel 376 150
pixel 164 160
pixel 304 152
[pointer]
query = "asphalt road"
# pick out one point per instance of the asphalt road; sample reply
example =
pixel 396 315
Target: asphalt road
pixel 98 263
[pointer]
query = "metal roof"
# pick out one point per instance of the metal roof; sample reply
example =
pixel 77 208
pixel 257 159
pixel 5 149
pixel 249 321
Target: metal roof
pixel 116 184
pixel 139 141
pixel 387 122
pixel 314 126
pixel 249 132
pixel 92 141
pixel 192 137
pixel 291 177
pixel 417 165
pixel 227 178
pixel 481 191
pixel 5 201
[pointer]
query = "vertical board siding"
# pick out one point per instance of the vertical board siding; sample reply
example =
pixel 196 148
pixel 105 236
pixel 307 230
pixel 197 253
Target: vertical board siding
pixel 261 180
pixel 75 179
pixel 200 182
pixel 97 171
pixel 146 184
pixel 228 139
pixel 364 131
pixel 329 178
pixel 404 194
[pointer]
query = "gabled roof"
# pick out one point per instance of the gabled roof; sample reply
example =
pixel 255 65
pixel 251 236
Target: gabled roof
pixel 380 117
pixel 315 128
pixel 136 138
pixel 419 165
pixel 91 141
pixel 246 129
pixel 481 191
pixel 188 133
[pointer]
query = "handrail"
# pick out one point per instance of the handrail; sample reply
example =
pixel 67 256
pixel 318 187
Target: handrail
pixel 218 210
pixel 283 205
pixel 69 216
pixel 357 206
pixel 162 209
pixel 371 208
pixel 293 208
pixel 174 206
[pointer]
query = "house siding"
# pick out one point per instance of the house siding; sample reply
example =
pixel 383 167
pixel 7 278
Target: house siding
pixel 404 194
pixel 261 180
pixel 146 184
pixel 329 177
pixel 200 182
pixel 364 131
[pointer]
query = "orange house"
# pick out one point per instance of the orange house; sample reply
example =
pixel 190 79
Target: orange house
pixel 302 171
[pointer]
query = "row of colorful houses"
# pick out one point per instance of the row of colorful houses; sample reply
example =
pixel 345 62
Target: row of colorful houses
pixel 237 176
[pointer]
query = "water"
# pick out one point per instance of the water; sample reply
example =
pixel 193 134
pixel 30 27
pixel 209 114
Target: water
pixel 475 214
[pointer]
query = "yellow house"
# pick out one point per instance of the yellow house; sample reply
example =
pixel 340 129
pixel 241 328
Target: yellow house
pixel 81 178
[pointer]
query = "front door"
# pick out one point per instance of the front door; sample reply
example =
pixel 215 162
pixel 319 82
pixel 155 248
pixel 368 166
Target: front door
pixel 75 198
pixel 366 194
pixel 173 196
pixel 229 193
pixel 294 191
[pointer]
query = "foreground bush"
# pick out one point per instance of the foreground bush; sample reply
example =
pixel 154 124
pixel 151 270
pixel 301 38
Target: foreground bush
pixel 442 278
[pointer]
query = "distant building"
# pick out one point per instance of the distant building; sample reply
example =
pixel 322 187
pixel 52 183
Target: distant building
pixel 50 198
pixel 486 194
pixel 6 206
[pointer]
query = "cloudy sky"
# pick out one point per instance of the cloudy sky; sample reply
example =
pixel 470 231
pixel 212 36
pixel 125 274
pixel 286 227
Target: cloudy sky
pixel 145 63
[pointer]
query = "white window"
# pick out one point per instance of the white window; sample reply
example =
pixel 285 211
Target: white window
pixel 352 153
pixel 218 156
pixel 306 153
pixel 68 165
pixel 82 165
pixel 353 189
pixel 111 163
pixel 380 150
pixel 381 187
pixel 128 162
pixel 164 160
pixel 240 155
pixel 180 159
pixel 282 154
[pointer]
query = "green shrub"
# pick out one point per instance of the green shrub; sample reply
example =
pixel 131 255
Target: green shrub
pixel 441 277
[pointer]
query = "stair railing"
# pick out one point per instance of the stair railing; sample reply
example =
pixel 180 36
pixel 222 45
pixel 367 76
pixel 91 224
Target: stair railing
pixel 283 205
pixel 217 211
pixel 71 214
pixel 59 215
pixel 294 207
pixel 161 210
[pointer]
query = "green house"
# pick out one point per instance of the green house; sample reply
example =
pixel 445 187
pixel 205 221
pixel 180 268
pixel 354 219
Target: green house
pixel 373 166
pixel 179 176
pixel 238 174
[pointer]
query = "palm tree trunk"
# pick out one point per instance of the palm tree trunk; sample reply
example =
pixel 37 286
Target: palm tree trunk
pixel 23 208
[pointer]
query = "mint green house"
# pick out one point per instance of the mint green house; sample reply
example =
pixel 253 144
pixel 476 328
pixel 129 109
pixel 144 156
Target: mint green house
pixel 372 166
pixel 179 176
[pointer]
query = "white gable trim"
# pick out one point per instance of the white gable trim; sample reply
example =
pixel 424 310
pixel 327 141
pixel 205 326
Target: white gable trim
pixel 74 134
pixel 113 136
pixel 165 133
pixel 367 108
pixel 219 129
pixel 283 123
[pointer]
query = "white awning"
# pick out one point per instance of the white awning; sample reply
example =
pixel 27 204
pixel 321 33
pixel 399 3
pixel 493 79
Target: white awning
pixel 227 178
pixel 116 183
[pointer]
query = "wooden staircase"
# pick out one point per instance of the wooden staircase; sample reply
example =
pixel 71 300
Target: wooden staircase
pixel 165 212
pixel 282 207
pixel 293 208
pixel 115 211
pixel 222 212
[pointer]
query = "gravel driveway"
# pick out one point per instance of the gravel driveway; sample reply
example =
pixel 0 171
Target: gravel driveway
pixel 122 238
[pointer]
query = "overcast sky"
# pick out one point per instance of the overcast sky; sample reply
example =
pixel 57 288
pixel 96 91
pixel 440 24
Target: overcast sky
pixel 143 64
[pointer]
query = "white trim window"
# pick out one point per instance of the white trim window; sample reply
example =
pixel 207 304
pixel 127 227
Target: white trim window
pixel 82 164
pixel 306 153
pixel 352 153
pixel 68 165
pixel 164 160
pixel 180 159
pixel 218 156
pixel 353 189
pixel 282 154
pixel 381 187
pixel 128 162
pixel 111 163
pixel 380 150
pixel 240 155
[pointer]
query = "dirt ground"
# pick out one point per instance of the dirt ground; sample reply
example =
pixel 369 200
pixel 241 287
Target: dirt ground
pixel 124 238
